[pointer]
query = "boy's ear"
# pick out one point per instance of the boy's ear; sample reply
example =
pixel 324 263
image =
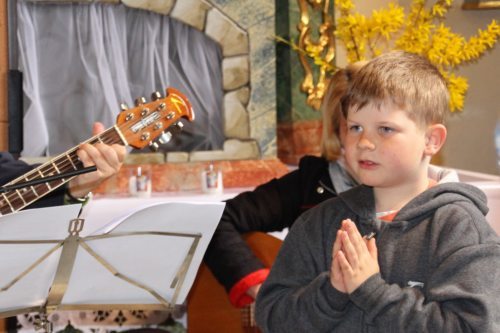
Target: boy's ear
pixel 435 137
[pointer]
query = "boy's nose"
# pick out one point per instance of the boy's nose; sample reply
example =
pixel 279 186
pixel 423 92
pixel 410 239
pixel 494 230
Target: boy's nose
pixel 365 143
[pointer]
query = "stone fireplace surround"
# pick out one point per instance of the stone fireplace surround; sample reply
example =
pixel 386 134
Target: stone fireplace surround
pixel 245 31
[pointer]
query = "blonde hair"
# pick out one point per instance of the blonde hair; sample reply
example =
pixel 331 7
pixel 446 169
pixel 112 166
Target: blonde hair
pixel 407 80
pixel 331 147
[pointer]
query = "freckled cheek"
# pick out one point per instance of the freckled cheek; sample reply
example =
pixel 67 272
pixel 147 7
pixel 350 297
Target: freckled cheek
pixel 348 146
pixel 394 158
pixel 350 157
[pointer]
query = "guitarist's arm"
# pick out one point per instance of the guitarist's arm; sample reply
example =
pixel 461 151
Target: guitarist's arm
pixel 272 206
pixel 107 158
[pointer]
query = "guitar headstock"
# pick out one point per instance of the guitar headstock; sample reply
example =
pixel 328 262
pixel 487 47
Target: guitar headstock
pixel 145 122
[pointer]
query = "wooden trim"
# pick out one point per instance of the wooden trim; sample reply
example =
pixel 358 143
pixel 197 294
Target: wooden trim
pixel 493 4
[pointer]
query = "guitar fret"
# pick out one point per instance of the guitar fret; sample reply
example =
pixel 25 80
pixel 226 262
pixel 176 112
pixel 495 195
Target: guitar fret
pixel 15 200
pixel 30 195
pixel 34 190
pixel 71 161
pixel 8 202
pixel 21 196
pixel 55 167
pixel 46 184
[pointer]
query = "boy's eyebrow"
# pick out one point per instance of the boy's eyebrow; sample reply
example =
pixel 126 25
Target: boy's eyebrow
pixel 386 123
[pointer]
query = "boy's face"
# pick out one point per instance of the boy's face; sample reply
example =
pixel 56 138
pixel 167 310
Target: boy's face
pixel 384 147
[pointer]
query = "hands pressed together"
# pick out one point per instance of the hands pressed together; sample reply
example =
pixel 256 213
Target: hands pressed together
pixel 107 158
pixel 354 258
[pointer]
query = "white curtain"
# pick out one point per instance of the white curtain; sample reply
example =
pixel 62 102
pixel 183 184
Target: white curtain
pixel 80 61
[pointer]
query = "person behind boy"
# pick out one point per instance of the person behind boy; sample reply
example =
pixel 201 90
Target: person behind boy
pixel 434 263
pixel 275 205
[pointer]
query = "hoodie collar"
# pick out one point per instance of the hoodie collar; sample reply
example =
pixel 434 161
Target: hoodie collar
pixel 361 201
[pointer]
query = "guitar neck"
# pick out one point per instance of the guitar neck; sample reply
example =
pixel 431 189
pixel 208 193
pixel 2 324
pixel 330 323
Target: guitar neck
pixel 15 200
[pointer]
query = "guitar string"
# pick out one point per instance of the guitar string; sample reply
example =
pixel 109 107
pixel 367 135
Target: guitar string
pixel 65 163
pixel 14 198
pixel 126 126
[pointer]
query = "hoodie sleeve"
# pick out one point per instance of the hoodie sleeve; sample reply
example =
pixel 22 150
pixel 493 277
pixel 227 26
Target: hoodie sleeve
pixel 298 296
pixel 462 290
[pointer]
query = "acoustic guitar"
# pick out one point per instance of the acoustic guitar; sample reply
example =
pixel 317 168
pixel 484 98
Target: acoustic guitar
pixel 136 127
pixel 208 306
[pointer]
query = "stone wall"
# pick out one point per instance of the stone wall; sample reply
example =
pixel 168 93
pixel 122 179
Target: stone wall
pixel 245 32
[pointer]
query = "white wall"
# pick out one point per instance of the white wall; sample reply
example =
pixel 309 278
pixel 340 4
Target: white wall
pixel 470 143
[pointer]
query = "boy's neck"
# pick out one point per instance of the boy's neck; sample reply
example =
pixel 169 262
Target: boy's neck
pixel 395 197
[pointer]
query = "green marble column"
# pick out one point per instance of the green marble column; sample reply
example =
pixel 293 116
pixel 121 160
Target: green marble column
pixel 298 124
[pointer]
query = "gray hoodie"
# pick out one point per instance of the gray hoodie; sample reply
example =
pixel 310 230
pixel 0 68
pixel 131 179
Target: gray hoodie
pixel 439 268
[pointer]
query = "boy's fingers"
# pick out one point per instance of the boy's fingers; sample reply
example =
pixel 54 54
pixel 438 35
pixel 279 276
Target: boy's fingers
pixel 372 248
pixel 335 268
pixel 355 237
pixel 336 275
pixel 349 250
pixel 338 243
pixel 344 264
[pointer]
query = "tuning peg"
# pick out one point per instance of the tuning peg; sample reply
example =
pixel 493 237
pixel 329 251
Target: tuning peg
pixel 140 101
pixel 165 137
pixel 179 125
pixel 123 106
pixel 158 125
pixel 155 96
pixel 154 146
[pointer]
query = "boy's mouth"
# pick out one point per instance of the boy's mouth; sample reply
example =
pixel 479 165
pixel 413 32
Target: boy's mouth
pixel 367 164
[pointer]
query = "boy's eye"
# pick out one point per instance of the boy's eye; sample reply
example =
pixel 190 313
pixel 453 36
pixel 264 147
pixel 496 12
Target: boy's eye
pixel 355 128
pixel 386 130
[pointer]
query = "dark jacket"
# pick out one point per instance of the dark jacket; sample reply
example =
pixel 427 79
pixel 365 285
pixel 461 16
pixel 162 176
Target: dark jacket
pixel 273 206
pixel 439 268
pixel 11 169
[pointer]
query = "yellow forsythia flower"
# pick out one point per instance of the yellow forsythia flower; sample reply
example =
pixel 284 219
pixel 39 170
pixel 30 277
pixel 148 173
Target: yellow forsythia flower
pixel 421 31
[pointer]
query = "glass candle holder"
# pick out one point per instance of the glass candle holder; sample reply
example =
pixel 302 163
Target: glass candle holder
pixel 211 180
pixel 139 183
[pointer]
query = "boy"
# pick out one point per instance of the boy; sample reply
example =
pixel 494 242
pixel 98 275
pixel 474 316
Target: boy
pixel 434 263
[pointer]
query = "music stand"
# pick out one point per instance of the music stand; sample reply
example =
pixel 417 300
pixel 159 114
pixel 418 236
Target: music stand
pixel 146 260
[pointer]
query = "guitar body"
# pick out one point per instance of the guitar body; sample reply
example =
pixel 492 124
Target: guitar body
pixel 209 309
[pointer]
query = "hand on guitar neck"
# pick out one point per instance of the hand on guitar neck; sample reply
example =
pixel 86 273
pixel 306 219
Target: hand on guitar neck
pixel 107 158
pixel 137 127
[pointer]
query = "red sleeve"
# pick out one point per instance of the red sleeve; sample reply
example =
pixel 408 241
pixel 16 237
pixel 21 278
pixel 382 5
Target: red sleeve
pixel 238 293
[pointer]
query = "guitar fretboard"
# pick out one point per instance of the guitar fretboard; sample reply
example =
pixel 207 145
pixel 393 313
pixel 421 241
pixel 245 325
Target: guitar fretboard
pixel 15 200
